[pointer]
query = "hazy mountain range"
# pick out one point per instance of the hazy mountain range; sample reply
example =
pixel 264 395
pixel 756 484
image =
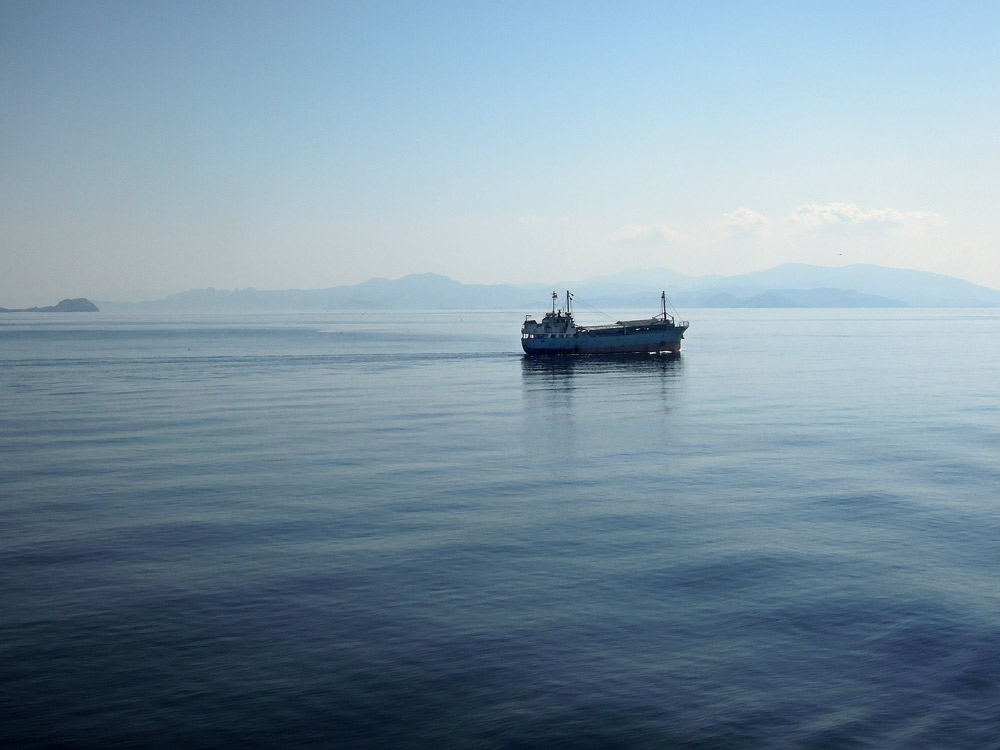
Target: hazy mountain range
pixel 788 285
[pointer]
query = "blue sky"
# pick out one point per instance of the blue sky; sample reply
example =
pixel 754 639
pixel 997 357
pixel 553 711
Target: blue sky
pixel 150 148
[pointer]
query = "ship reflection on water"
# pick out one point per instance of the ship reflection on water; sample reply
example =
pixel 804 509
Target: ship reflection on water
pixel 600 381
pixel 559 372
pixel 572 403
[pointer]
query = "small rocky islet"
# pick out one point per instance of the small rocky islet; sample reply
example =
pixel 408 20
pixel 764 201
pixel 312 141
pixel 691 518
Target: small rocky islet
pixel 67 305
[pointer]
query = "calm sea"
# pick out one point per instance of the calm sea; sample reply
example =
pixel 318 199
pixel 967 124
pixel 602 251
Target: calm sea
pixel 393 530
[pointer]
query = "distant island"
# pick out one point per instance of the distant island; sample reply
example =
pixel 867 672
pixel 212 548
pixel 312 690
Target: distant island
pixel 67 305
pixel 792 285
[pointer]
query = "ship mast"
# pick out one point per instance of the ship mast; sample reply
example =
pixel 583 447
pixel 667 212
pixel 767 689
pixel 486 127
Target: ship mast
pixel 568 298
pixel 554 298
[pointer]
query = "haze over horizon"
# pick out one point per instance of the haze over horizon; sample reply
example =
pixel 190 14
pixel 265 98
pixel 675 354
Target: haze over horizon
pixel 153 148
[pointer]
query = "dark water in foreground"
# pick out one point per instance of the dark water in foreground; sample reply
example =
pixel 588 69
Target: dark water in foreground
pixel 355 531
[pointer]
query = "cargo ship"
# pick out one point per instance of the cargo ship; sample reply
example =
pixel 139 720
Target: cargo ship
pixel 558 333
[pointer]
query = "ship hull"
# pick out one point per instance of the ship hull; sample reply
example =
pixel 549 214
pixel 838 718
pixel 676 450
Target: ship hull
pixel 586 343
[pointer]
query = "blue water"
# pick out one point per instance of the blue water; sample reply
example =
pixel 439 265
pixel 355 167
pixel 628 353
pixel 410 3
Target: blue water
pixel 350 530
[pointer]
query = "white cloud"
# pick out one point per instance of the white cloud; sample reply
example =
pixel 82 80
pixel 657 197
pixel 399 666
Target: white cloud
pixel 645 234
pixel 742 240
pixel 849 218
pixel 744 222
